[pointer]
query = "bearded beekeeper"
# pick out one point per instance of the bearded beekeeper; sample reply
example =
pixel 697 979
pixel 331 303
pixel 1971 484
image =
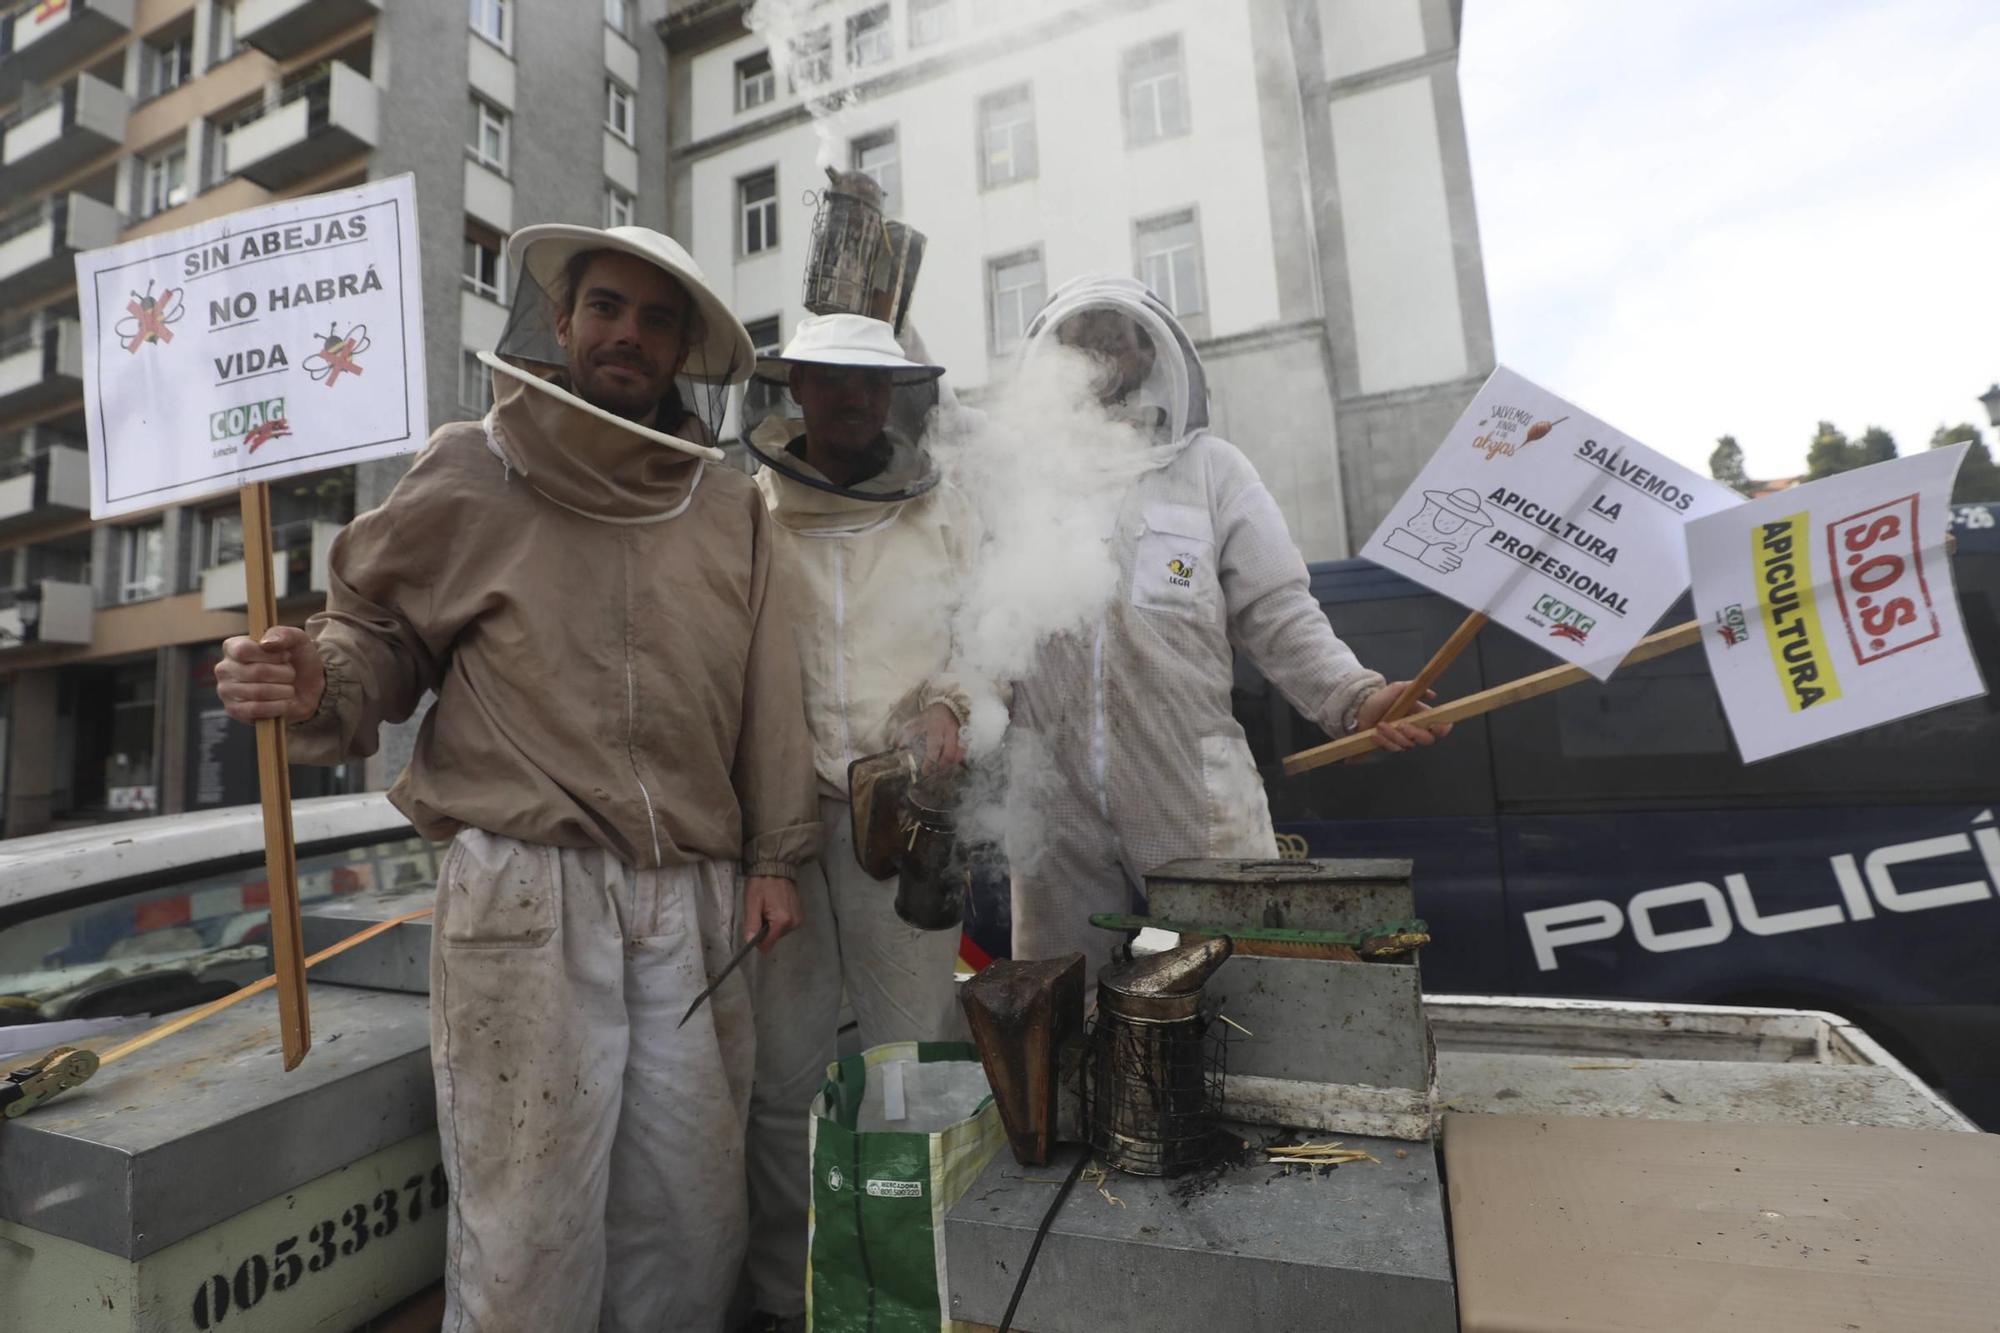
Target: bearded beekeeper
pixel 878 549
pixel 1122 741
pixel 618 753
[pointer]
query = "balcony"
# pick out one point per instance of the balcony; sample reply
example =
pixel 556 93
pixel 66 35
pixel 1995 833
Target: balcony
pixel 55 35
pixel 38 248
pixel 40 364
pixel 50 480
pixel 327 114
pixel 59 130
pixel 46 611
pixel 298 567
pixel 282 29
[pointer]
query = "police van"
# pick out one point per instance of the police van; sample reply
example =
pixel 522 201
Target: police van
pixel 1606 841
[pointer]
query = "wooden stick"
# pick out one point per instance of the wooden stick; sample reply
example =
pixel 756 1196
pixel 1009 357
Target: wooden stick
pixel 1472 705
pixel 274 782
pixel 1413 693
pixel 257 987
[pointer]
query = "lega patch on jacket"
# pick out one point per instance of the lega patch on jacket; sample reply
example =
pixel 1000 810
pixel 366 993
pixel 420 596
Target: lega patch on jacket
pixel 1167 566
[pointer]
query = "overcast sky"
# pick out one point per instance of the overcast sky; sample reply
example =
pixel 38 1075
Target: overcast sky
pixel 1703 217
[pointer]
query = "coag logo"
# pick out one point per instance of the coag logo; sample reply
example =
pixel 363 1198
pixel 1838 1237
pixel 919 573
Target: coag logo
pixel 1564 621
pixel 1180 570
pixel 256 423
pixel 1730 625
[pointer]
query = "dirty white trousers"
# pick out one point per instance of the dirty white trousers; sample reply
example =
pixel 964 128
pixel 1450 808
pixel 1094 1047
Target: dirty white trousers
pixel 594 1152
pixel 902 984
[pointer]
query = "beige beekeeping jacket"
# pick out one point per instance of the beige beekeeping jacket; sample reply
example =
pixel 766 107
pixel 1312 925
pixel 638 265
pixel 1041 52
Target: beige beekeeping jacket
pixel 598 616
pixel 875 585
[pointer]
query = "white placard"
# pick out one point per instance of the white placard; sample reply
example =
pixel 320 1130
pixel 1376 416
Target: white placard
pixel 275 341
pixel 1829 607
pixel 1549 521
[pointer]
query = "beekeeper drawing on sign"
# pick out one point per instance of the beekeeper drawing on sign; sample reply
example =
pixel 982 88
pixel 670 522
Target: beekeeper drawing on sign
pixel 1442 531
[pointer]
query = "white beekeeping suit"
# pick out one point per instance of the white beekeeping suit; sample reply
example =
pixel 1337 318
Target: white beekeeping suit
pixel 1135 755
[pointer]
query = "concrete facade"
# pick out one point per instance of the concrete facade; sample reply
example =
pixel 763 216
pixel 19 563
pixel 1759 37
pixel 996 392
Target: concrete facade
pixel 1320 159
pixel 72 713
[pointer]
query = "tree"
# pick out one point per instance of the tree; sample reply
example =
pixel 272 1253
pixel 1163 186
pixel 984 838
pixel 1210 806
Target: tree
pixel 1978 475
pixel 1726 465
pixel 1829 452
pixel 1875 446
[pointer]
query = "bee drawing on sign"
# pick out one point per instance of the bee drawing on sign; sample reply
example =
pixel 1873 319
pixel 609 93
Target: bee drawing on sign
pixel 147 317
pixel 337 353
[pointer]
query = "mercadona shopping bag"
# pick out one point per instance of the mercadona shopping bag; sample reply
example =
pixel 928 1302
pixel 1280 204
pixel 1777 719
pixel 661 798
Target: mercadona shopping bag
pixel 898 1134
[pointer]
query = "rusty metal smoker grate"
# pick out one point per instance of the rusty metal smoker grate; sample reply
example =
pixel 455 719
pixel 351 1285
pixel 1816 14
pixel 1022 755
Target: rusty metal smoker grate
pixel 1154 1090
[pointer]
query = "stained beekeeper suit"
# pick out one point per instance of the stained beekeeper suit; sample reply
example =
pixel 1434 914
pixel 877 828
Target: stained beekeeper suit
pixel 876 564
pixel 618 739
pixel 1123 744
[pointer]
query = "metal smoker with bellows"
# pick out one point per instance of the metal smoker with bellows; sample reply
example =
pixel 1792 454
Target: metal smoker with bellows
pixel 1292 1000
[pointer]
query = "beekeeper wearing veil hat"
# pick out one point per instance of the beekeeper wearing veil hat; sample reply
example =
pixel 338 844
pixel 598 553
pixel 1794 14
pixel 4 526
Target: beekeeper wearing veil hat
pixel 618 754
pixel 1138 759
pixel 836 422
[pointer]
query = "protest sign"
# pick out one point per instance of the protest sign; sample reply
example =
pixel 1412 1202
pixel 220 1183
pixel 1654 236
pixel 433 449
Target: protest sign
pixel 1829 607
pixel 1549 522
pixel 267 343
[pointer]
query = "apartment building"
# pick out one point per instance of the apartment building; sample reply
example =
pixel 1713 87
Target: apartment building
pixel 121 118
pixel 1290 176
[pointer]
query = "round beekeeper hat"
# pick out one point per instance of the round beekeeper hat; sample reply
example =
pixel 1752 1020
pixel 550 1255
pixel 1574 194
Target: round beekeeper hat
pixel 845 340
pixel 773 424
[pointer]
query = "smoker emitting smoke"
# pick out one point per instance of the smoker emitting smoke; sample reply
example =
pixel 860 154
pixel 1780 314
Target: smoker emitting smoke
pixel 790 26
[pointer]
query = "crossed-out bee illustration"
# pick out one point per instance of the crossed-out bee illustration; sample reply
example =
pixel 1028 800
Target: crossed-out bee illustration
pixel 337 352
pixel 147 317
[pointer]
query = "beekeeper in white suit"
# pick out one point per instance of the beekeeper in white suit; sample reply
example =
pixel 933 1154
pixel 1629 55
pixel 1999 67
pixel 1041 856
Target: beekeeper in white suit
pixel 878 550
pixel 1123 741
pixel 618 753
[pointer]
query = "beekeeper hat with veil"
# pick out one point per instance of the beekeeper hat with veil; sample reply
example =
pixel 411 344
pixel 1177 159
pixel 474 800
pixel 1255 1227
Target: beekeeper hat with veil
pixel 774 424
pixel 531 365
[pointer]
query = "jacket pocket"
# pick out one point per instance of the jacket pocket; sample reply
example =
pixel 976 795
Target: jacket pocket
pixel 498 893
pixel 1171 567
pixel 1239 818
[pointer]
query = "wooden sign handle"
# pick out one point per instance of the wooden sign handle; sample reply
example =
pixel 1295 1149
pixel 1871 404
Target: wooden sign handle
pixel 1413 693
pixel 274 783
pixel 1472 705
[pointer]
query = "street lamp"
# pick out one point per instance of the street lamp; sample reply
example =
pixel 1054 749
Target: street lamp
pixel 1991 400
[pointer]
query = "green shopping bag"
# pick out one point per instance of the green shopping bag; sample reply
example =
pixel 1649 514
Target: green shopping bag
pixel 898 1134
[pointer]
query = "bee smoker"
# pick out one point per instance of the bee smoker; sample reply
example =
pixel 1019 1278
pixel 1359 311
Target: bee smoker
pixel 906 825
pixel 1142 1085
pixel 860 262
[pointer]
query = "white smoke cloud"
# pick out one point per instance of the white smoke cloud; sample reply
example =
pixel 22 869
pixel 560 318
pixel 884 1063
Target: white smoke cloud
pixel 792 27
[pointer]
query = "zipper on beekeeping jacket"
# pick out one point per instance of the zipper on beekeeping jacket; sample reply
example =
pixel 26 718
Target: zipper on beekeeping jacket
pixel 632 718
pixel 1100 740
pixel 838 535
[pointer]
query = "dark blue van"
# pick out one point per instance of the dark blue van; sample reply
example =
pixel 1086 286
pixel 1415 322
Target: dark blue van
pixel 1606 841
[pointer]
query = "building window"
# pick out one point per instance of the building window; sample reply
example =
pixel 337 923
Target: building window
pixel 221 537
pixel 1155 79
pixel 875 158
pixel 812 58
pixel 931 21
pixel 142 563
pixel 869 40
pixel 1006 136
pixel 758 196
pixel 475 383
pixel 489 135
pixel 494 20
pixel 483 271
pixel 166 66
pixel 1015 290
pixel 163 180
pixel 766 335
pixel 618 116
pixel 619 207
pixel 618 17
pixel 1170 262
pixel 755 84
pixel 222 27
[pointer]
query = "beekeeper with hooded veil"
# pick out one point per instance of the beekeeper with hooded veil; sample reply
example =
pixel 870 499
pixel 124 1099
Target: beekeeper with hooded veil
pixel 879 550
pixel 1123 745
pixel 617 752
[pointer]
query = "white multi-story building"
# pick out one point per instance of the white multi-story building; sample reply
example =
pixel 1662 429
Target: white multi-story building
pixel 1291 178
